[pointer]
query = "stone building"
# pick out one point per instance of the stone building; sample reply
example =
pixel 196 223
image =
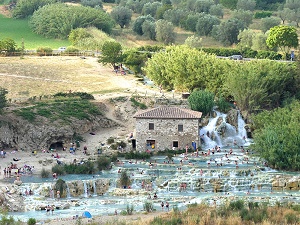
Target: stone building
pixel 167 127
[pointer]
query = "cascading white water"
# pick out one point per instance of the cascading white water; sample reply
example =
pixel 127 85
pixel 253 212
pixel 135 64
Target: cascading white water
pixel 231 135
pixel 94 186
pixel 241 127
pixel 68 191
pixel 209 131
pixel 85 193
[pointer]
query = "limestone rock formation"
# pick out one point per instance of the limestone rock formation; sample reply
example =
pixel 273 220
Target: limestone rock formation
pixel 15 132
pixel 11 198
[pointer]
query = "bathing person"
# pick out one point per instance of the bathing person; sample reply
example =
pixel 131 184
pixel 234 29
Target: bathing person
pixel 167 206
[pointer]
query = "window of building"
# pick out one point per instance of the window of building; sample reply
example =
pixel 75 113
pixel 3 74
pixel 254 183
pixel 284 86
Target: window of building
pixel 151 126
pixel 175 144
pixel 180 128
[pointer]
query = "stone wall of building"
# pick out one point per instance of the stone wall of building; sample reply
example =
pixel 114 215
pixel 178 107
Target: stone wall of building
pixel 166 132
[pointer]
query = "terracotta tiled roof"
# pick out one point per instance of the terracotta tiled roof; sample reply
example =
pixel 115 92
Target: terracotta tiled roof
pixel 166 112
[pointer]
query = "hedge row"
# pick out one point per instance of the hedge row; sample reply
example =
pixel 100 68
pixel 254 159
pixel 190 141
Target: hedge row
pixel 248 53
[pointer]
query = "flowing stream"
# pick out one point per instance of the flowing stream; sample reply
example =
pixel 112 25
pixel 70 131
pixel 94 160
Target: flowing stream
pixel 223 169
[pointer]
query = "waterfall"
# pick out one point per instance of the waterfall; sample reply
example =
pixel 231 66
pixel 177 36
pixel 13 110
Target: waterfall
pixel 208 133
pixel 94 186
pixel 85 193
pixel 241 127
pixel 68 191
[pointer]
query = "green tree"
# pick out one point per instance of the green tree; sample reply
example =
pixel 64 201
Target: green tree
pixel 3 100
pixel 227 32
pixel 183 68
pixel 276 137
pixel 205 25
pixel 191 21
pixel 259 41
pixel 260 84
pixel 165 32
pixel 230 4
pixel 243 16
pixel 294 16
pixel 283 37
pixel 135 60
pixel 161 11
pixel 150 8
pixel 25 8
pixel 124 179
pixel 193 42
pixel 246 5
pixel 175 16
pixel 149 30
pixel 78 34
pixel 8 45
pixel 61 186
pixel 121 15
pixel 138 23
pixel 245 38
pixel 202 101
pixel 92 3
pixel 57 20
pixel 284 14
pixel 216 10
pixel 269 22
pixel 111 53
pixel 202 6
pixel 292 4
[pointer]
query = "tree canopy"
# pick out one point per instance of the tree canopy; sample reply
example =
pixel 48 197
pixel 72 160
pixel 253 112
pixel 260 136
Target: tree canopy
pixel 3 100
pixel 57 20
pixel 25 8
pixel 183 68
pixel 227 32
pixel 261 84
pixel 202 101
pixel 276 137
pixel 111 53
pixel 121 15
pixel 283 37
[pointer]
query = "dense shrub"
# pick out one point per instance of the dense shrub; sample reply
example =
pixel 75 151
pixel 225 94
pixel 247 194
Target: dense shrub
pixel 124 179
pixel 82 95
pixel 57 20
pixel 103 163
pixel 135 155
pixel 58 169
pixel 86 167
pixel 92 3
pixel 202 101
pixel 31 221
pixel 138 104
pixel 25 8
pixel 262 14
pixel 148 206
pixel 222 104
pixel 44 51
pixel 45 173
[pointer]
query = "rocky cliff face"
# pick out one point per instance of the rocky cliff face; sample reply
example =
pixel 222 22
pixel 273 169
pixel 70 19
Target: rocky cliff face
pixel 15 132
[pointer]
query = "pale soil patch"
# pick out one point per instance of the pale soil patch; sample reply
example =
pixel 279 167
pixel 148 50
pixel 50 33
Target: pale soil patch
pixel 4 11
pixel 40 76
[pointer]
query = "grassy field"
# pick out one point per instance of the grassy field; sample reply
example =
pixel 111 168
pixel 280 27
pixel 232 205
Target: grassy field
pixel 44 76
pixel 18 29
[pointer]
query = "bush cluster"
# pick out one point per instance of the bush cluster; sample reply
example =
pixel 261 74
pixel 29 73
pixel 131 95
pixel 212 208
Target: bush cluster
pixel 81 95
pixel 135 155
pixel 138 104
pixel 262 14
pixel 247 53
pixel 87 167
